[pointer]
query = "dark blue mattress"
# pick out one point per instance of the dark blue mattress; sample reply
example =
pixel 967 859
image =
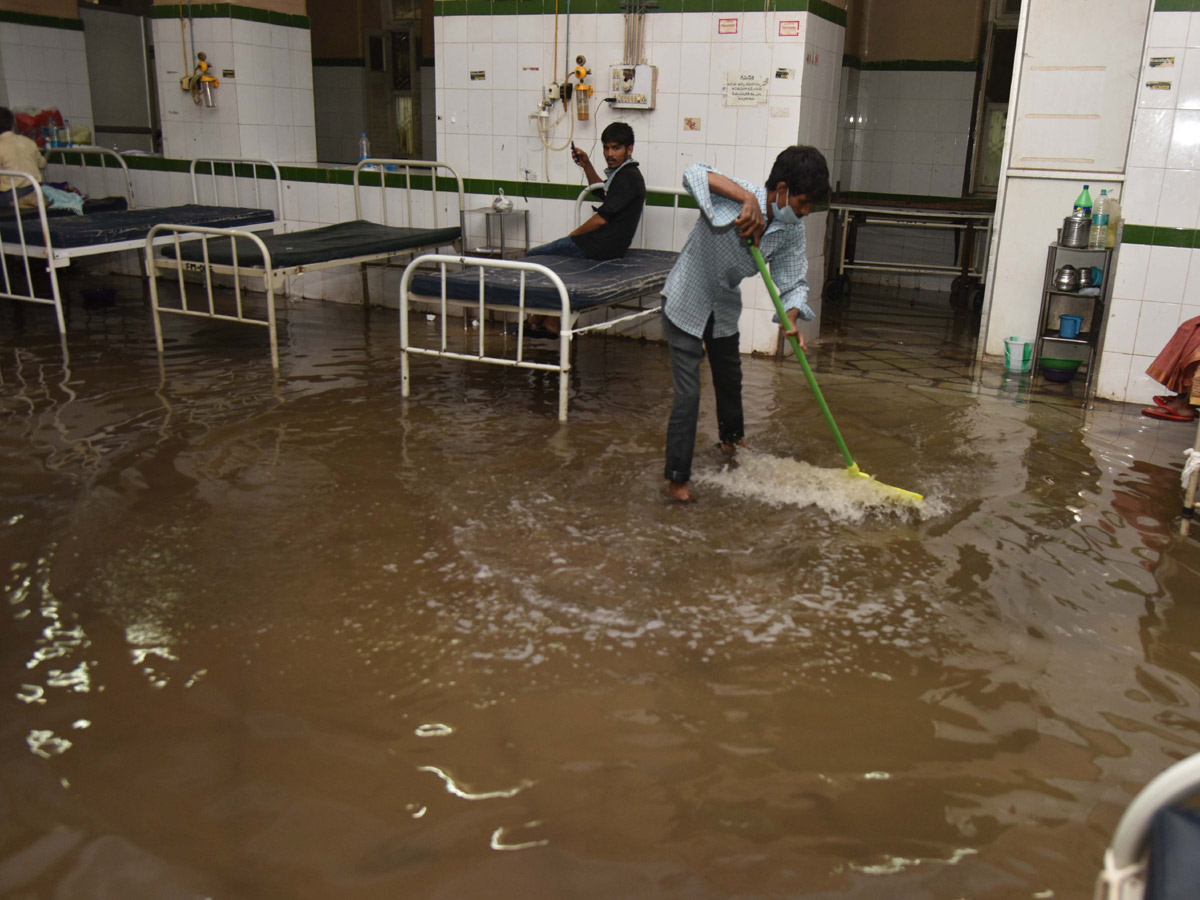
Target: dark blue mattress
pixel 590 283
pixel 344 240
pixel 128 224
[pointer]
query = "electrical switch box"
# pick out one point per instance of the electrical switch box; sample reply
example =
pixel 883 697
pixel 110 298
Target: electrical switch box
pixel 633 86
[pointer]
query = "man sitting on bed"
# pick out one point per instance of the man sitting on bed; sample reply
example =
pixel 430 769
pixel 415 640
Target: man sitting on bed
pixel 18 154
pixel 609 232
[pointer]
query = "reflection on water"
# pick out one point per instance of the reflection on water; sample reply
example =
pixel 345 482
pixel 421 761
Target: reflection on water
pixel 294 637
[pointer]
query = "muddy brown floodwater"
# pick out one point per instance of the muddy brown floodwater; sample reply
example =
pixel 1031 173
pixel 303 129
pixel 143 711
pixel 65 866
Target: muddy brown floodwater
pixel 297 638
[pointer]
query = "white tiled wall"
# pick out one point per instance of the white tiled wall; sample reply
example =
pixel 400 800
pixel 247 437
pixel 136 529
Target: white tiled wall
pixel 44 67
pixel 264 111
pixel 1157 287
pixel 905 132
pixel 484 127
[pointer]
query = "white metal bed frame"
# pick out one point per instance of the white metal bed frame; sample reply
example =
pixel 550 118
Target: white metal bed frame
pixel 55 258
pixel 1125 862
pixel 1190 485
pixel 569 318
pixel 274 278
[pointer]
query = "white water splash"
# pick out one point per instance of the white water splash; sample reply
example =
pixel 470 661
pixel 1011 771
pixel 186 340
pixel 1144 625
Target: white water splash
pixel 790 482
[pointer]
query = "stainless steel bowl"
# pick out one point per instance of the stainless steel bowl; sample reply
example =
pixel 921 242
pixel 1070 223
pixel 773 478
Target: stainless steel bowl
pixel 1067 278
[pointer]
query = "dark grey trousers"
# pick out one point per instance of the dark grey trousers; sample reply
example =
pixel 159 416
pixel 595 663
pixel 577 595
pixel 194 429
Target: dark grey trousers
pixel 726 364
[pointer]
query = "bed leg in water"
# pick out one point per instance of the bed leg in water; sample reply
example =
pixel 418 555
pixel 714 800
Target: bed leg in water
pixel 895 493
pixel 1191 475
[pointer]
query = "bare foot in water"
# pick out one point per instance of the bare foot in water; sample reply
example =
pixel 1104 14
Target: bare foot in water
pixel 730 449
pixel 678 491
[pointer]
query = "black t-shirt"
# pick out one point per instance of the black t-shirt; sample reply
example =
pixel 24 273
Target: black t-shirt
pixel 622 210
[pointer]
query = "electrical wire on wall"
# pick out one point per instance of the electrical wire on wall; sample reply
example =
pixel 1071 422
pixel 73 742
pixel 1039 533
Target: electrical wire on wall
pixel 634 50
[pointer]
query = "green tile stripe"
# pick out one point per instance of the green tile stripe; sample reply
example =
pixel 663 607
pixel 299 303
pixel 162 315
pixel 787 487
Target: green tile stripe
pixel 19 18
pixel 911 65
pixel 229 11
pixel 821 8
pixel 1177 5
pixel 526 190
pixel 1157 236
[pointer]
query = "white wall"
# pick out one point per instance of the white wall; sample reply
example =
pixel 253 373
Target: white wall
pixel 1158 286
pixel 1030 209
pixel 484 127
pixel 265 111
pixel 905 132
pixel 44 67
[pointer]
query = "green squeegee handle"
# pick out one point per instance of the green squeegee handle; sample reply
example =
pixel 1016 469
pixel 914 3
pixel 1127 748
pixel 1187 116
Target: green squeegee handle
pixel 808 374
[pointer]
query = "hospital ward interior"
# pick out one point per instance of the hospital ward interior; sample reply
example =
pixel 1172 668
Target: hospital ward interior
pixel 346 548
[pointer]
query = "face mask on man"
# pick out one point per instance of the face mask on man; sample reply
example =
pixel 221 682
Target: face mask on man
pixel 784 215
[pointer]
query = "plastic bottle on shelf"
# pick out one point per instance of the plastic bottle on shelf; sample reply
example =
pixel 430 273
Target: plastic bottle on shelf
pixel 1098 233
pixel 1114 221
pixel 364 147
pixel 1083 203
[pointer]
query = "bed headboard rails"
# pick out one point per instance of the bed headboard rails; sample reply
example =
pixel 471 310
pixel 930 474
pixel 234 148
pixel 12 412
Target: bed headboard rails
pixel 662 227
pixel 237 182
pixel 400 173
pixel 99 164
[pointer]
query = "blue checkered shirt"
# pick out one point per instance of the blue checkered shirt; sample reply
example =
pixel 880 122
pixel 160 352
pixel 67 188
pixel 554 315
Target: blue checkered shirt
pixel 705 279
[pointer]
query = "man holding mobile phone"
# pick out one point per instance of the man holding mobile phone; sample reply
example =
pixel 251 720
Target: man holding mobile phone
pixel 610 230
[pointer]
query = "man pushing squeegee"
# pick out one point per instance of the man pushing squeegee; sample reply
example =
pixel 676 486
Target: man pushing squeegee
pixel 702 299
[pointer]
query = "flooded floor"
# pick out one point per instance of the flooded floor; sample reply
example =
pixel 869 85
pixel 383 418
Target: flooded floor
pixel 295 637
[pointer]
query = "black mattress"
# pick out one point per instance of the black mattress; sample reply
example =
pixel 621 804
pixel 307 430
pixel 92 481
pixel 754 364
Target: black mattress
pixel 344 240
pixel 128 224
pixel 590 283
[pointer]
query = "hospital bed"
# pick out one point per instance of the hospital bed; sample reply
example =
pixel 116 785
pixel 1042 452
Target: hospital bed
pixel 566 288
pixel 35 241
pixel 969 221
pixel 234 257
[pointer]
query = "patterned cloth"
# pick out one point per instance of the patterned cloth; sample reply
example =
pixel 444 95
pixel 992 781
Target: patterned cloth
pixel 705 281
pixel 1175 366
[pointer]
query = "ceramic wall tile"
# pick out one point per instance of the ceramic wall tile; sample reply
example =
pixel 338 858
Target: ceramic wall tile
pixel 1166 28
pixel 1161 76
pixel 1151 137
pixel 1193 34
pixel 1156 324
pixel 1184 150
pixel 1122 326
pixel 1179 202
pixel 1139 200
pixel 1113 377
pixel 1187 94
pixel 1166 274
pixel 1130 278
pixel 1141 388
pixel 1191 289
